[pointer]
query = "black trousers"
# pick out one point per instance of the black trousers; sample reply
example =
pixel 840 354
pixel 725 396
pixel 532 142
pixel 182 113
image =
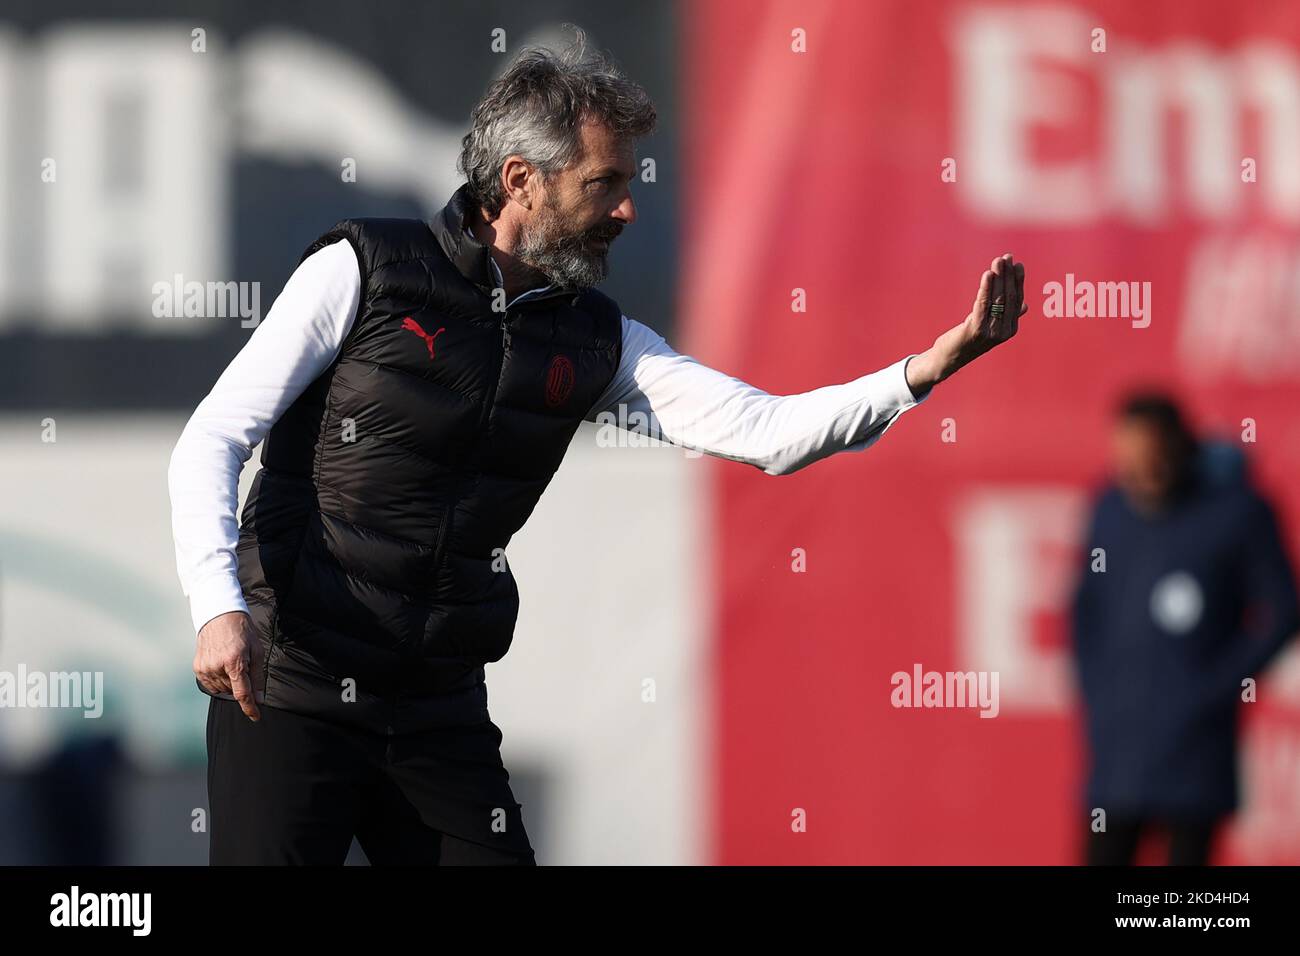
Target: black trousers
pixel 1189 841
pixel 294 789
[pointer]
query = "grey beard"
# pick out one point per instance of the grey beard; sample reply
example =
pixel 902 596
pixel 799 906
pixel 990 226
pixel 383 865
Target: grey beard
pixel 564 261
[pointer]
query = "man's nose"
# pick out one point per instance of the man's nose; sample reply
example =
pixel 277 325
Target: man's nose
pixel 626 210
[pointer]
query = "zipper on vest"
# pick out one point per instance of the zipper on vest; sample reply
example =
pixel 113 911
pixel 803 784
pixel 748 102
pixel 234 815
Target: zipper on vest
pixel 481 441
pixel 496 379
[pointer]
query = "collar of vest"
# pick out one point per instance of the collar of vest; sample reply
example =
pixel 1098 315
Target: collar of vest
pixel 471 258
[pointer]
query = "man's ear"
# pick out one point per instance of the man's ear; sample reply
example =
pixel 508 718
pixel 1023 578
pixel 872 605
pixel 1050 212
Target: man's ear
pixel 520 180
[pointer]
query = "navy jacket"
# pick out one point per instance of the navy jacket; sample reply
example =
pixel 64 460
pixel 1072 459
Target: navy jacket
pixel 1190 603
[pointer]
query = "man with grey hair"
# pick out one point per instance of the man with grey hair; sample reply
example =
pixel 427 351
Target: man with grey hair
pixel 417 384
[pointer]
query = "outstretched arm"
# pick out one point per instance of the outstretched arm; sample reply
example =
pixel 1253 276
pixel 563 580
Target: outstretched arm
pixel 661 393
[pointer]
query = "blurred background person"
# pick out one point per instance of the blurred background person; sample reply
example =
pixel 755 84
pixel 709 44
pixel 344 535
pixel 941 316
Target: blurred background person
pixel 1186 593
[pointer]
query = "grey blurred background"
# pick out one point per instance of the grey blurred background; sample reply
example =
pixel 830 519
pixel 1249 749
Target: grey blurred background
pixel 147 142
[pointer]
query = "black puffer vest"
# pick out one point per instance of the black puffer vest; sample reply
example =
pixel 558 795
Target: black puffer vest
pixel 371 545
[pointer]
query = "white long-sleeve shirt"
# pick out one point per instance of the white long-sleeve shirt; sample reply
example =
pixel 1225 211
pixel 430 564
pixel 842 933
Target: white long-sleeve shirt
pixel 655 390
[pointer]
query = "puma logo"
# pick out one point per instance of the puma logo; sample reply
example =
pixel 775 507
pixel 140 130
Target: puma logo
pixel 414 326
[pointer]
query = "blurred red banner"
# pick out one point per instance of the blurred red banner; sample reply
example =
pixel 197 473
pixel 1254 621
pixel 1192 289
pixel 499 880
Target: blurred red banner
pixel 1143 160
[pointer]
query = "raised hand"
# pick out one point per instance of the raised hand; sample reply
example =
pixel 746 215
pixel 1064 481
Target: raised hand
pixel 994 318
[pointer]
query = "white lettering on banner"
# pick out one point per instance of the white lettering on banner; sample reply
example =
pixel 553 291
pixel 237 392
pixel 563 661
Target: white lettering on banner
pixel 1017 559
pixel 1022 72
pixel 1241 309
pixel 1267 830
pixel 1017 70
pixel 12 269
pixel 143 140
pixel 135 123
